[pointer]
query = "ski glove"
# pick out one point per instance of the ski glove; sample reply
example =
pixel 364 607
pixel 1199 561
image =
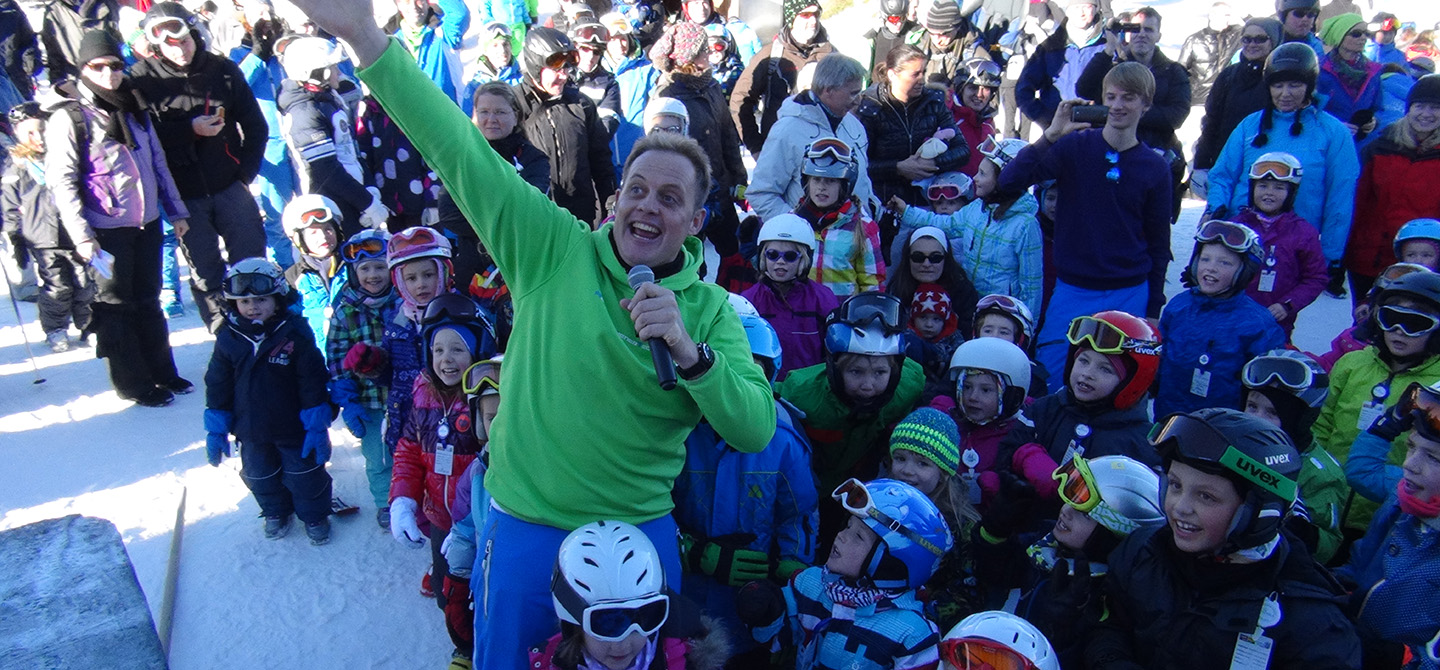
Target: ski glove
pixel 218 423
pixel 1392 423
pixel 1010 510
pixel 726 559
pixel 1032 461
pixel 364 359
pixel 346 393
pixel 459 554
pixel 375 215
pixel 760 604
pixel 317 432
pixel 402 523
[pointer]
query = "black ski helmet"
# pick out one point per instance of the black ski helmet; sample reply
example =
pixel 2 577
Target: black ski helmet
pixel 1423 287
pixel 900 8
pixel 458 311
pixel 540 45
pixel 1256 456
pixel 1293 61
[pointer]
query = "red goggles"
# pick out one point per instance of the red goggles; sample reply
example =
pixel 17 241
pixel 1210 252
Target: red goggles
pixel 975 653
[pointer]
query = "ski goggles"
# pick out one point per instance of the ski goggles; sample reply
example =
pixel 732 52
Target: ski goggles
pixel 450 308
pixel 251 284
pixel 1077 484
pixel 1386 26
pixel 1276 170
pixel 718 44
pixel 1394 272
pixel 481 378
pixel 311 217
pixel 168 29
pixel 974 653
pixel 998 301
pixel 358 250
pixel 875 306
pixel 1422 403
pixel 1287 372
pixel 944 192
pixel 1185 437
pixel 1103 337
pixel 992 149
pixel 562 60
pixel 590 33
pixel 831 148
pixel 612 621
pixel 1234 236
pixel 1409 322
pixel 774 255
pixel 404 241
pixel 855 498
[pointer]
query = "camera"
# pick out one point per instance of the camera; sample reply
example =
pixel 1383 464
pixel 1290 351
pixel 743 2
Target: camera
pixel 1116 26
pixel 1094 115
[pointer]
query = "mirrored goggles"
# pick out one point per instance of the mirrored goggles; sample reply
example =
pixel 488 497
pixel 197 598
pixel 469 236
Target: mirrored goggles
pixel 1077 484
pixel 1409 322
pixel 1274 170
pixel 562 60
pixel 855 498
pixel 975 653
pixel 998 301
pixel 829 148
pixel 1422 403
pixel 449 307
pixel 943 192
pixel 481 377
pixel 406 240
pixel 358 250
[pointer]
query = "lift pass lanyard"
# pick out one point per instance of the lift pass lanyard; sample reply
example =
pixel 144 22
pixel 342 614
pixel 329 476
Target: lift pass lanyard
pixel 1252 650
pixel 1372 410
pixel 1200 380
pixel 444 451
pixel 972 479
pixel 1267 276
pixel 1076 448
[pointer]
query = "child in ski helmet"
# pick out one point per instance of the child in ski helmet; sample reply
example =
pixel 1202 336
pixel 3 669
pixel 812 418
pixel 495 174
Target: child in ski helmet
pixel 992 381
pixel 1214 328
pixel 795 304
pixel 892 544
pixel 1287 388
pixel 313 223
pixel 481 384
pixel 1394 566
pixel 949 191
pixel 266 385
pixel 439 442
pixel 1229 479
pixel 1003 253
pixel 849 260
pixel 666 115
pixel 356 360
pixel 996 639
pixel 1418 242
pixel 1366 382
pixel 1009 319
pixel 419 261
pixel 1350 339
pixel 852 399
pixel 925 453
pixel 615 611
pixel 1292 270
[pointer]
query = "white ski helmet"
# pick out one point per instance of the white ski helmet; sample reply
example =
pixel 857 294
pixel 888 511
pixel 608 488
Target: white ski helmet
pixel 999 357
pixel 1004 628
pixel 604 562
pixel 742 305
pixel 310 58
pixel 788 228
pixel 1129 494
pixel 671 106
pixel 1001 152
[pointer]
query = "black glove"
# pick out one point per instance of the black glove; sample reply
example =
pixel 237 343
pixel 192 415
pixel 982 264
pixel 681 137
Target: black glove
pixel 759 603
pixel 1392 423
pixel 1299 523
pixel 1336 287
pixel 1065 604
pixel 1012 507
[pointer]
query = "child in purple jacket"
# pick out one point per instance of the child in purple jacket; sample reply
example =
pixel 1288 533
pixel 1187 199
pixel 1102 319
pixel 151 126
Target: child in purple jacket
pixel 793 303
pixel 1293 270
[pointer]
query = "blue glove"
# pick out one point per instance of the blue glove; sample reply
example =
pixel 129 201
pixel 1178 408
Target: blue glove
pixel 354 417
pixel 317 421
pixel 218 423
pixel 346 394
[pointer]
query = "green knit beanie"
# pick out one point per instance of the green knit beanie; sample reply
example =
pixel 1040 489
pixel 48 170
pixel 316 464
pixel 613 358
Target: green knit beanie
pixel 932 434
pixel 1335 27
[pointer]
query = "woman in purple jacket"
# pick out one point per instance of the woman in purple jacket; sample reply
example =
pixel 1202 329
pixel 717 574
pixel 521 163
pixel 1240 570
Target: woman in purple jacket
pixel 110 181
pixel 793 303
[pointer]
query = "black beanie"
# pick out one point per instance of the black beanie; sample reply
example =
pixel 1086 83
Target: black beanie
pixel 1425 90
pixel 98 44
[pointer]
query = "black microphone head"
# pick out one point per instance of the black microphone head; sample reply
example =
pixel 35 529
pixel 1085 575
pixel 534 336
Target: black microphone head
pixel 641 274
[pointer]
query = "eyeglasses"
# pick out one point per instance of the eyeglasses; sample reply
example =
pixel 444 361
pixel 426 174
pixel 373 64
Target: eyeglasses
pixel 251 284
pixel 162 30
pixel 855 498
pixel 356 250
pixel 773 255
pixel 562 60
pixel 678 130
pixel 612 621
pixel 1255 39
pixel 1287 372
pixel 934 257
pixel 1275 170
pixel 874 306
pixel 1234 236
pixel 944 192
pixel 1113 158
pixel 1077 484
pixel 101 65
pixel 1409 322
pixel 406 240
pixel 1423 403
pixel 1357 33
pixel 481 377
pixel 830 147
pixel 973 653
pixel 1104 337
pixel 449 307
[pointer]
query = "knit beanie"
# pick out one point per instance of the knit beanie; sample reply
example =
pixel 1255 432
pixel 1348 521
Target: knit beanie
pixel 1427 89
pixel 1335 27
pixel 682 43
pixel 1270 25
pixel 789 9
pixel 932 434
pixel 99 43
pixel 932 299
pixel 1282 6
pixel 941 16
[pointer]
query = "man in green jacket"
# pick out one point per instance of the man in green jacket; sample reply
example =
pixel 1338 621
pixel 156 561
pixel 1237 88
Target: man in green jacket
pixel 584 432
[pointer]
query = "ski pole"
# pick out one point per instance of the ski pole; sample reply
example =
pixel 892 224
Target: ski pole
pixel 10 289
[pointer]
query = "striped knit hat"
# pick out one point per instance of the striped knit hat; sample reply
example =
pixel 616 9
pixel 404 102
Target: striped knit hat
pixel 932 434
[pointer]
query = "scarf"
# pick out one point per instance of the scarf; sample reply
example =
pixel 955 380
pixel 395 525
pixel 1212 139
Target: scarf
pixel 1409 504
pixel 117 105
pixel 853 596
pixel 821 219
pixel 1351 74
pixel 642 660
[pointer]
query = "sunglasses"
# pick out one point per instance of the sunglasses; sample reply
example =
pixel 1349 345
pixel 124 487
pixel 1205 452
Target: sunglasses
pixel 973 653
pixel 1422 403
pixel 1255 39
pixel 1105 338
pixel 251 284
pixel 829 148
pixel 357 250
pixel 613 621
pixel 1077 484
pixel 480 377
pixel 449 307
pixel 1113 158
pixel 404 241
pixel 1287 372
pixel 1275 170
pixel 773 255
pixel 934 257
pixel 101 65
pixel 855 498
pixel 1409 322
pixel 1234 236
pixel 944 192
pixel 562 60
pixel 866 307
pixel 1357 33
pixel 1306 13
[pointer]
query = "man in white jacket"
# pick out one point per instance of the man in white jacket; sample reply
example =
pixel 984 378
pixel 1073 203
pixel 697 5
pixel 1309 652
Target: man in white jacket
pixel 826 110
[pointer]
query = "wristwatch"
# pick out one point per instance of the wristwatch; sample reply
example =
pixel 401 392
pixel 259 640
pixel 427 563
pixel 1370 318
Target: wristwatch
pixel 701 366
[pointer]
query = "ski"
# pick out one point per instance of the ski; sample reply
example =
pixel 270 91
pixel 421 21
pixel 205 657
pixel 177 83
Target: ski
pixel 339 507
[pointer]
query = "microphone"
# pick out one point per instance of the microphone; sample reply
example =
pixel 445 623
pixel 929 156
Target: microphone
pixel 659 351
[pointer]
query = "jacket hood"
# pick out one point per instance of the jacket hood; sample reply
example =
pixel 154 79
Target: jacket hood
pixel 689 272
pixel 1397 139
pixel 805 108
